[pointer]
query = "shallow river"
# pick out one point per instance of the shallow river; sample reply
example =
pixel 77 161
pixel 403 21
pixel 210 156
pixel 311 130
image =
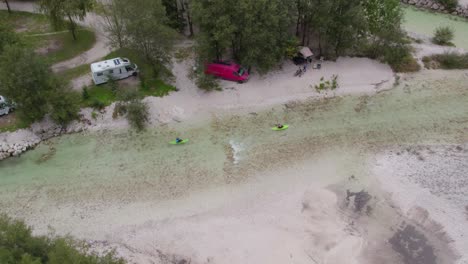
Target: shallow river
pixel 77 183
pixel 425 23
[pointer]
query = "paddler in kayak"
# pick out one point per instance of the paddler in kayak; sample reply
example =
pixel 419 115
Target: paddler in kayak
pixel 279 126
pixel 178 140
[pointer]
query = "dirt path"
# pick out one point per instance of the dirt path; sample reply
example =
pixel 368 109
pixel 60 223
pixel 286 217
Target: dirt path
pixel 93 21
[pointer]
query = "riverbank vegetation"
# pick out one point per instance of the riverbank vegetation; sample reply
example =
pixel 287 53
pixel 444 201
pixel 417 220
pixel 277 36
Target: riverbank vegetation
pixel 18 245
pixel 257 33
pixel 448 61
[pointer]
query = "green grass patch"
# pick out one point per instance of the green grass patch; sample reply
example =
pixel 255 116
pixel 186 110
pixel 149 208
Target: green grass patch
pixel 99 96
pixel 54 47
pixel 26 23
pixel 68 47
pixel 13 123
pixel 156 88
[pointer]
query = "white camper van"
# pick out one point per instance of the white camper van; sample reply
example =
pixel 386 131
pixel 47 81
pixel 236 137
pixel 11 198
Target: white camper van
pixel 118 68
pixel 5 106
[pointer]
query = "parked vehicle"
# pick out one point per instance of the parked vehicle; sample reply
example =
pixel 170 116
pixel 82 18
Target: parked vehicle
pixel 304 54
pixel 118 68
pixel 5 106
pixel 228 71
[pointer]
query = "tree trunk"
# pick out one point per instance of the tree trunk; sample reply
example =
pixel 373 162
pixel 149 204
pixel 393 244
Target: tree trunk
pixel 186 8
pixel 72 27
pixel 304 27
pixel 8 6
pixel 320 42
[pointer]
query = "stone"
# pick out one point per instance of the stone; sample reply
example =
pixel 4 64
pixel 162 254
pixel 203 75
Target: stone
pixel 435 6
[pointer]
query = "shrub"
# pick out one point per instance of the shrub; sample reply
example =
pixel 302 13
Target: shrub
pixel 85 93
pixel 207 82
pixel 447 61
pixel 449 4
pixel 443 36
pixel 137 114
pixel 120 109
pixel 400 59
pixel 65 106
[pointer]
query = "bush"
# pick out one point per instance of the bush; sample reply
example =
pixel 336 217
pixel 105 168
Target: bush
pixel 18 245
pixel 207 82
pixel 447 61
pixel 85 93
pixel 400 59
pixel 120 109
pixel 443 36
pixel 65 107
pixel 137 114
pixel 449 4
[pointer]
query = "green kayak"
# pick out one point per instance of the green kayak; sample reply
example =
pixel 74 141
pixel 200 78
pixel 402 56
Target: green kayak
pixel 174 142
pixel 280 129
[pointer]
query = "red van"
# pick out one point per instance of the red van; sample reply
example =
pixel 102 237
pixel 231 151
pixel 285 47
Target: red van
pixel 228 71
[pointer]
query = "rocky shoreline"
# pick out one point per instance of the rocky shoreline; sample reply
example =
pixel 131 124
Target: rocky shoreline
pixel 461 11
pixel 14 144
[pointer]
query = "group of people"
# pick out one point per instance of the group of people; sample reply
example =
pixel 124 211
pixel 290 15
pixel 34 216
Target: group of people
pixel 303 68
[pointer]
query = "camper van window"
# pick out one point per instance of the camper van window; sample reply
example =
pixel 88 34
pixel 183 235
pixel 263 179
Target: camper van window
pixel 129 68
pixel 99 74
pixel 125 60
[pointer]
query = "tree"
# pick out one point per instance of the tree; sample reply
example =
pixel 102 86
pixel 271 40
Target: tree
pixel 256 32
pixel 187 8
pixel 114 24
pixel 57 10
pixel 346 26
pixel 146 31
pixel 174 13
pixel 27 80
